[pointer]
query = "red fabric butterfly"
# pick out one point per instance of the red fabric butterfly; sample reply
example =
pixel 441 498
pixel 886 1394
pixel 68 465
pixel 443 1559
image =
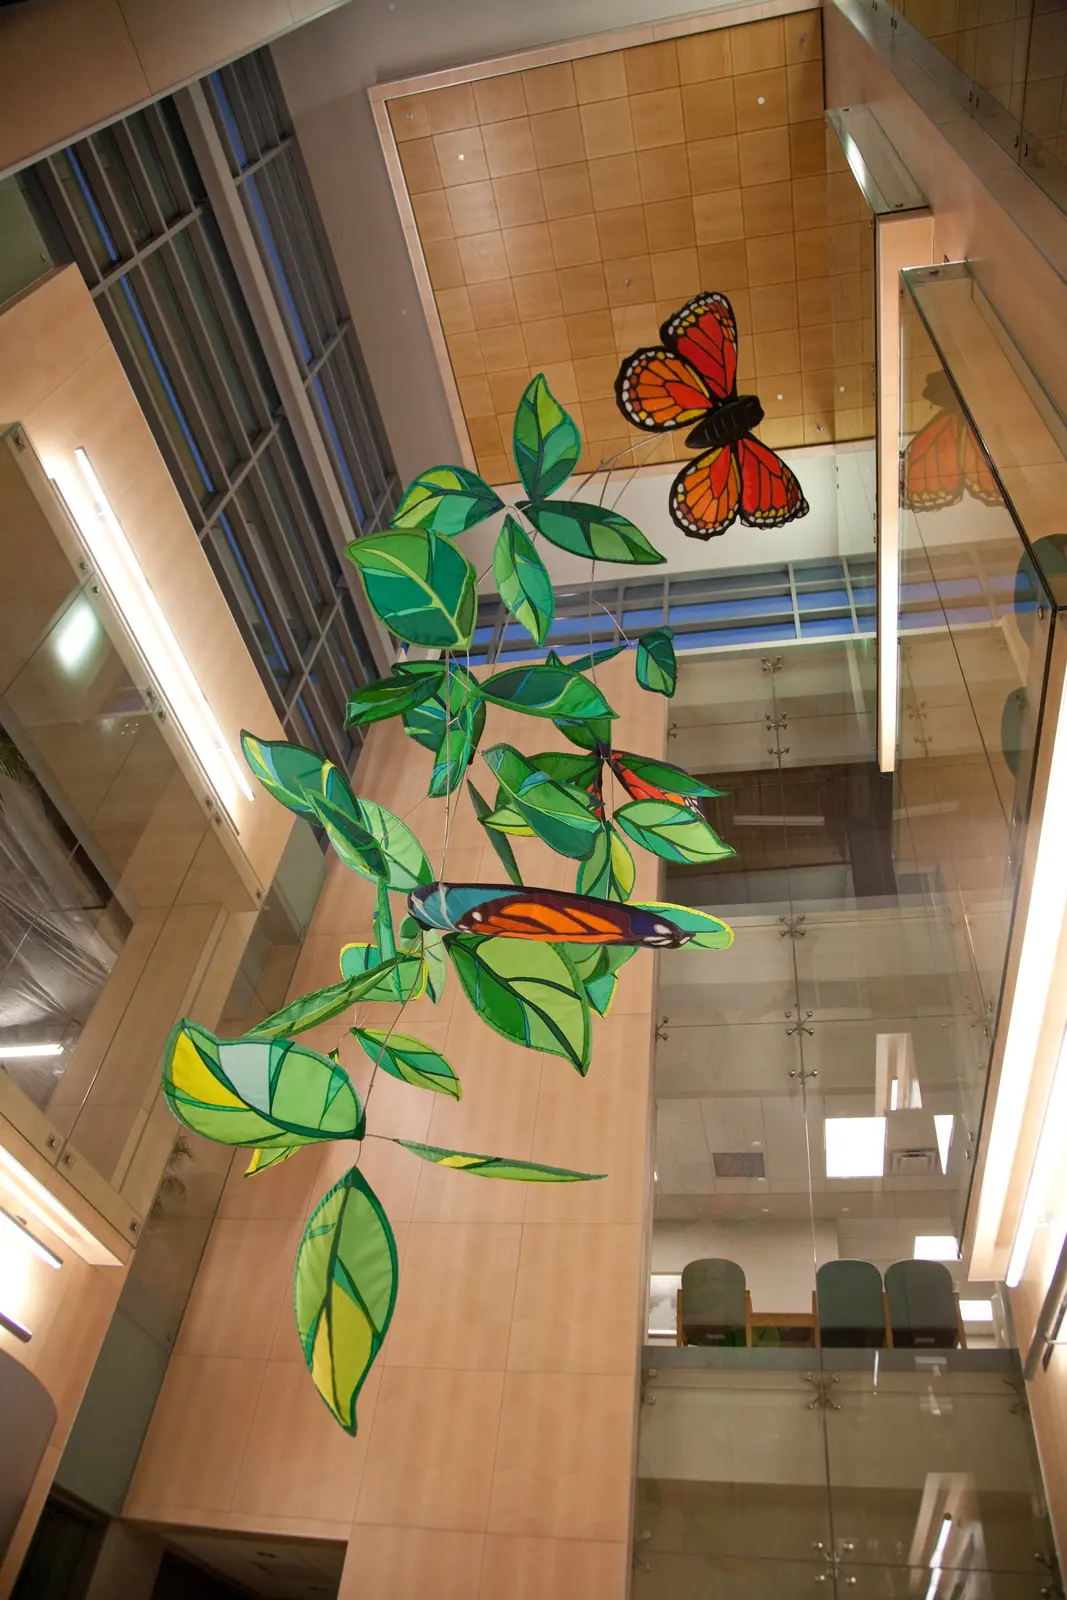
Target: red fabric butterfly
pixel 692 379
pixel 943 459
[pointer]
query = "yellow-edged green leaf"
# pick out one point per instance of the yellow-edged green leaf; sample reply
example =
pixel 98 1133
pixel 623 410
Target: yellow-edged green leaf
pixel 671 831
pixel 262 1159
pixel 529 992
pixel 562 816
pixel 545 691
pixel 408 1059
pixel 657 666
pixel 404 979
pixel 310 1009
pixel 609 873
pixel 496 1166
pixel 524 584
pixel 546 441
pixel 446 500
pixel 504 853
pixel 422 587
pixel 709 933
pixel 591 531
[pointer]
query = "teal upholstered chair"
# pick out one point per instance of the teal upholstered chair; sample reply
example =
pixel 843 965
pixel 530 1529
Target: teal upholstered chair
pixel 713 1305
pixel 922 1305
pixel 851 1312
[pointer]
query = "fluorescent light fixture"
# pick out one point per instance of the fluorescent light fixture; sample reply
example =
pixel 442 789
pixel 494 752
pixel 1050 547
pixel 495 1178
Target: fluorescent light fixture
pixel 935 1247
pixel 12 1325
pixel 1047 1159
pixel 75 637
pixel 117 564
pixel 29 1240
pixel 33 1198
pixel 935 1559
pixel 976 1310
pixel 779 822
pixel 27 1052
pixel 894 1094
pixel 943 1125
pixel 855 1147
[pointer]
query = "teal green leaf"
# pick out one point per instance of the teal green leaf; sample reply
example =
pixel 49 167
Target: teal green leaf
pixel 504 852
pixel 409 1060
pixel 459 741
pixel 404 980
pixel 290 774
pixel 609 872
pixel 422 587
pixel 527 991
pixel 587 735
pixel 257 1092
pixel 446 500
pixel 546 442
pixel 579 771
pixel 559 814
pixel 319 1006
pixel 433 953
pixel 592 531
pixel 496 1166
pixel 709 933
pixel 384 934
pixel 390 697
pixel 657 666
pixel 545 691
pixel 505 819
pixel 661 775
pixel 345 1291
pixel 524 584
pixel 425 723
pixel 672 831
pixel 596 658
pixel 598 966
pixel 261 1159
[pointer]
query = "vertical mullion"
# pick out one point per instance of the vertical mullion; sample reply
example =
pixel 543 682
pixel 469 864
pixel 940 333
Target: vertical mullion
pixel 354 457
pixel 127 148
pixel 248 541
pixel 106 199
pixel 172 266
pixel 215 542
pixel 66 217
pixel 348 384
pixel 289 257
pixel 171 163
pixel 283 553
pixel 241 115
pixel 294 207
pixel 259 96
pixel 236 333
pixel 312 548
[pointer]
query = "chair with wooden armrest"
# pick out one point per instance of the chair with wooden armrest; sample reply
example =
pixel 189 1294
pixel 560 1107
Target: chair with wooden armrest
pixel 848 1299
pixel 713 1305
pixel 923 1312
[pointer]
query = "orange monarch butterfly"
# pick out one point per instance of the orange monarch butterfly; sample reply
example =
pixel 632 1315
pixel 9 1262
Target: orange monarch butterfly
pixel 544 914
pixel 943 459
pixel 692 379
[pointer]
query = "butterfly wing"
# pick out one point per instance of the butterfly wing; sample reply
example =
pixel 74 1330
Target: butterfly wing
pixel 933 472
pixel 550 915
pixel 976 471
pixel 704 334
pixel 659 391
pixel 770 491
pixel 639 786
pixel 706 494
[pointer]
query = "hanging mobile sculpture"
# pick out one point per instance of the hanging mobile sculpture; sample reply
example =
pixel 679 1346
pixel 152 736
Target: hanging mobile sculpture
pixel 536 964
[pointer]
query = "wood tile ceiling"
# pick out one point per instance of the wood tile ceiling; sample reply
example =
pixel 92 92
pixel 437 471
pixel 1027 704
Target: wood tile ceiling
pixel 565 211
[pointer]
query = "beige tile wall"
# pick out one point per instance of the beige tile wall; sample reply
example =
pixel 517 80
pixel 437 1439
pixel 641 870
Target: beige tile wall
pixel 566 211
pixel 494 1457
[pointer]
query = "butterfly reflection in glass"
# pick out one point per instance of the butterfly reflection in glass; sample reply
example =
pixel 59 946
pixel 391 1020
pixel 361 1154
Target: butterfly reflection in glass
pixel 691 382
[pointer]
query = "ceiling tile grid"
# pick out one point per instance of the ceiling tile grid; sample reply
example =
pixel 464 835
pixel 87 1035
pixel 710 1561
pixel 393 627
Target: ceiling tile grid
pixel 566 211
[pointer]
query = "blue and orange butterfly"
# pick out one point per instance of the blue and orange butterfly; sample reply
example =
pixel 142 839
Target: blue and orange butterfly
pixel 692 379
pixel 556 916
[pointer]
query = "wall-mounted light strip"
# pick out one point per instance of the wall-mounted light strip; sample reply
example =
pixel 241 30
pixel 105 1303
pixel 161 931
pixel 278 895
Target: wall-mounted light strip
pixel 936 1557
pixel 28 1239
pixel 35 1200
pixel 114 559
pixel 12 1326
pixel 1047 1158
pixel 30 1052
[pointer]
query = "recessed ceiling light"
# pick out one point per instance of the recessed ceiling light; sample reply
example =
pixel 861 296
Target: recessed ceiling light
pixel 976 1310
pixel 27 1052
pixel 943 1126
pixel 855 1147
pixel 936 1247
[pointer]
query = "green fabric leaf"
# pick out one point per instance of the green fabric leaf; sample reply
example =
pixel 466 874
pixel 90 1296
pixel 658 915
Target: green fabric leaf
pixel 446 500
pixel 592 531
pixel 657 666
pixel 390 697
pixel 587 735
pixel 529 992
pixel 524 584
pixel 384 935
pixel 311 1009
pixel 635 771
pixel 433 953
pixel 560 815
pixel 670 830
pixel 581 772
pixel 546 442
pixel 709 933
pixel 544 691
pixel 505 854
pixel 609 872
pixel 262 1159
pixel 409 1060
pixel 505 819
pixel 425 723
pixel 422 587
pixel 459 741
pixel 345 1291
pixel 496 1166
pixel 291 774
pixel 404 981
pixel 597 658
pixel 598 966
pixel 256 1091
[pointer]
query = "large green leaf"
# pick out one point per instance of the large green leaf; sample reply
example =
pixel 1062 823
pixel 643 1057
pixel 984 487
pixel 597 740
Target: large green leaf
pixel 291 774
pixel 433 953
pixel 657 666
pixel 581 772
pixel 640 774
pixel 586 735
pixel 592 531
pixel 409 1060
pixel 459 740
pixel 609 872
pixel 596 658
pixel 524 584
pixel 345 1291
pixel 446 500
pixel 531 993
pixel 504 852
pixel 597 965
pixel 560 815
pixel 257 1092
pixel 544 691
pixel 311 1009
pixel 709 933
pixel 425 723
pixel 546 442
pixel 403 980
pixel 390 697
pixel 423 588
pixel 262 1159
pixel 496 1166
pixel 670 830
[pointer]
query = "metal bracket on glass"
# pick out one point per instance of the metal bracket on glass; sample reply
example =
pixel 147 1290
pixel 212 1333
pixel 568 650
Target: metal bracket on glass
pixel 801 1026
pixel 792 929
pixel 661 1028
pixel 822 1400
pixel 774 723
pixel 1020 1406
pixel 771 664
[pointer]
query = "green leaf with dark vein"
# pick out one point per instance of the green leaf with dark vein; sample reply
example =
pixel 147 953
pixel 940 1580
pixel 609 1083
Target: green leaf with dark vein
pixel 579 771
pixel 291 774
pixel 425 723
pixel 310 1009
pixel 496 1166
pixel 587 735
pixel 422 587
pixel 409 1060
pixel 609 872
pixel 459 740
pixel 345 1291
pixel 504 852
pixel 657 666
pixel 596 659
pixel 597 966
pixel 671 831
pixel 524 584
pixel 528 992
pixel 262 1159
pixel 544 691
pixel 559 814
pixel 591 531
pixel 390 697
pixel 404 981
pixel 660 774
pixel 446 500
pixel 546 442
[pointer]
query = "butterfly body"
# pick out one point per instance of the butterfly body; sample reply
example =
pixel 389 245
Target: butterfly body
pixel 690 381
pixel 546 914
